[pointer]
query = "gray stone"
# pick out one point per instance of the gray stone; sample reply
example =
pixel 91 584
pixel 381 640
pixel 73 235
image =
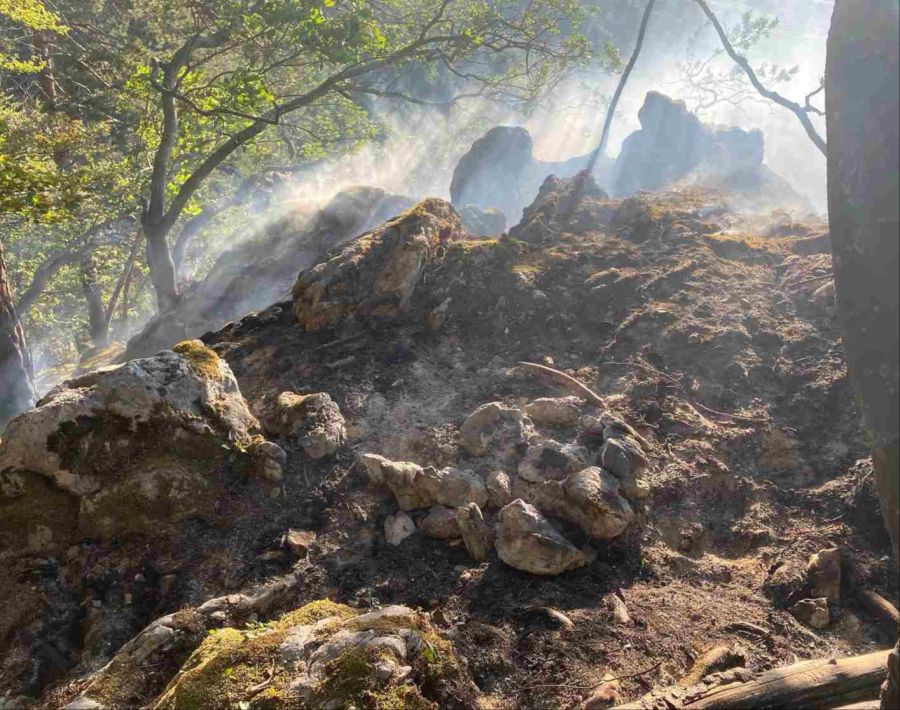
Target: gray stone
pixel 812 612
pixel 441 523
pixel 496 429
pixel 475 533
pixel 527 541
pixel 555 411
pixel 398 527
pixel 314 421
pixel 548 460
pixel 499 488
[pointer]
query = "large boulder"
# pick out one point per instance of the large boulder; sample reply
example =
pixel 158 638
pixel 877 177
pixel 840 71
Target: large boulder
pixel 324 655
pixel 261 270
pixel 127 449
pixel 375 275
pixel 527 541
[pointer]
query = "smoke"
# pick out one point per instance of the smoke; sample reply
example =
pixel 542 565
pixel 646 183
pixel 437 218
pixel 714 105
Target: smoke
pixel 572 125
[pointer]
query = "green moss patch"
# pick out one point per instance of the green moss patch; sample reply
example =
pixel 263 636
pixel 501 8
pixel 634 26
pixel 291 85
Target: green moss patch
pixel 202 360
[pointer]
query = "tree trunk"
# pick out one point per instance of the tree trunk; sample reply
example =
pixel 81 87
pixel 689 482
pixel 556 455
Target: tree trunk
pixel 861 104
pixel 162 268
pixel 93 296
pixel 16 373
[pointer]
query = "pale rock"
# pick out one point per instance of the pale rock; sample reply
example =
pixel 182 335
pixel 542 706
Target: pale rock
pixel 812 612
pixel 548 460
pixel 555 411
pixel 499 488
pixel 456 487
pixel 441 523
pixel 299 542
pixel 398 527
pixel 498 430
pixel 475 533
pixel 314 421
pixel 527 541
pixel 619 610
pixel 824 572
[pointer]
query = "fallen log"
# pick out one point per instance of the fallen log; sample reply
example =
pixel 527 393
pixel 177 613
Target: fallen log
pixel 821 683
pixel 879 607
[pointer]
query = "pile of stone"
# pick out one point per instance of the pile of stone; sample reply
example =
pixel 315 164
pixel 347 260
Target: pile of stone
pixel 594 481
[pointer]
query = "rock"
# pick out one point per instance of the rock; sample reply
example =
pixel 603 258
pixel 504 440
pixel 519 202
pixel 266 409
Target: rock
pixel 376 275
pixel 496 429
pixel 590 498
pixel 527 541
pixel 456 487
pixel 475 533
pixel 372 463
pixel 607 695
pixel 626 461
pixel 619 610
pixel 483 222
pixel 314 421
pixel 548 460
pixel 812 612
pixel 84 703
pixel 673 143
pixel 270 460
pixel 398 527
pixel 259 270
pixel 407 482
pixel 123 450
pixel 441 523
pixel 570 205
pixel 299 542
pixel 555 411
pixel 328 656
pixel 824 295
pixel 824 572
pixel 499 488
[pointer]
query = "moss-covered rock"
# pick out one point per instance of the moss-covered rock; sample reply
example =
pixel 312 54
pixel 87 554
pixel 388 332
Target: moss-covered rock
pixel 124 450
pixel 323 655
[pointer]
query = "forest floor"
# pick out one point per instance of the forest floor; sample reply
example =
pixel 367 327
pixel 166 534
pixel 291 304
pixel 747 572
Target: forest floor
pixel 708 331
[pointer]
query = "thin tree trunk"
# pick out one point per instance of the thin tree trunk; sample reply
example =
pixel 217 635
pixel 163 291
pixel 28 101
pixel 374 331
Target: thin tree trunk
pixel 862 93
pixel 162 268
pixel 93 296
pixel 16 372
pixel 623 80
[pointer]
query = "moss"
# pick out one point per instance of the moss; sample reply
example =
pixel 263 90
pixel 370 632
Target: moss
pixel 313 612
pixel 202 360
pixel 400 697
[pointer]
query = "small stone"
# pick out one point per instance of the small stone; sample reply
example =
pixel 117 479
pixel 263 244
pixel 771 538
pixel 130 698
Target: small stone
pixel 812 612
pixel 456 487
pixel 554 411
pixel 619 610
pixel 499 488
pixel 313 420
pixel 607 695
pixel 626 461
pixel 475 533
pixel 83 703
pixel 398 527
pixel 441 523
pixel 299 542
pixel 824 571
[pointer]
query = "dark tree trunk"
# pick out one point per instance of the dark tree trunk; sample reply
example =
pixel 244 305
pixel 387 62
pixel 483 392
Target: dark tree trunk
pixel 98 324
pixel 862 90
pixel 162 268
pixel 16 374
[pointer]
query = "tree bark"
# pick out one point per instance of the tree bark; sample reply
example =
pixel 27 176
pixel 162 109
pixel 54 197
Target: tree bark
pixel 862 75
pixel 98 325
pixel 162 267
pixel 16 372
pixel 820 683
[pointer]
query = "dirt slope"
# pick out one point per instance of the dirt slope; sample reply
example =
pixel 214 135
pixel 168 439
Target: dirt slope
pixel 713 334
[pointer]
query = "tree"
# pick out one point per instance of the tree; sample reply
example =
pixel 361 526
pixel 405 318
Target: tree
pixel 16 376
pixel 861 102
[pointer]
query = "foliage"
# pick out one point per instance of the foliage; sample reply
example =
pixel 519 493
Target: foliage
pixel 707 82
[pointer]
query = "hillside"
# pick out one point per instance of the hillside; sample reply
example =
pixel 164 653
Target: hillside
pixel 675 511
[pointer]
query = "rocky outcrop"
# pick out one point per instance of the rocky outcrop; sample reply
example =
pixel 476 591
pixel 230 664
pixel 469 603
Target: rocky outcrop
pixel 562 205
pixel 500 171
pixel 375 276
pixel 128 449
pixel 261 270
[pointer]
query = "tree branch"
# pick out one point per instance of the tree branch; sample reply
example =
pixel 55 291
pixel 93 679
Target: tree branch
pixel 742 62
